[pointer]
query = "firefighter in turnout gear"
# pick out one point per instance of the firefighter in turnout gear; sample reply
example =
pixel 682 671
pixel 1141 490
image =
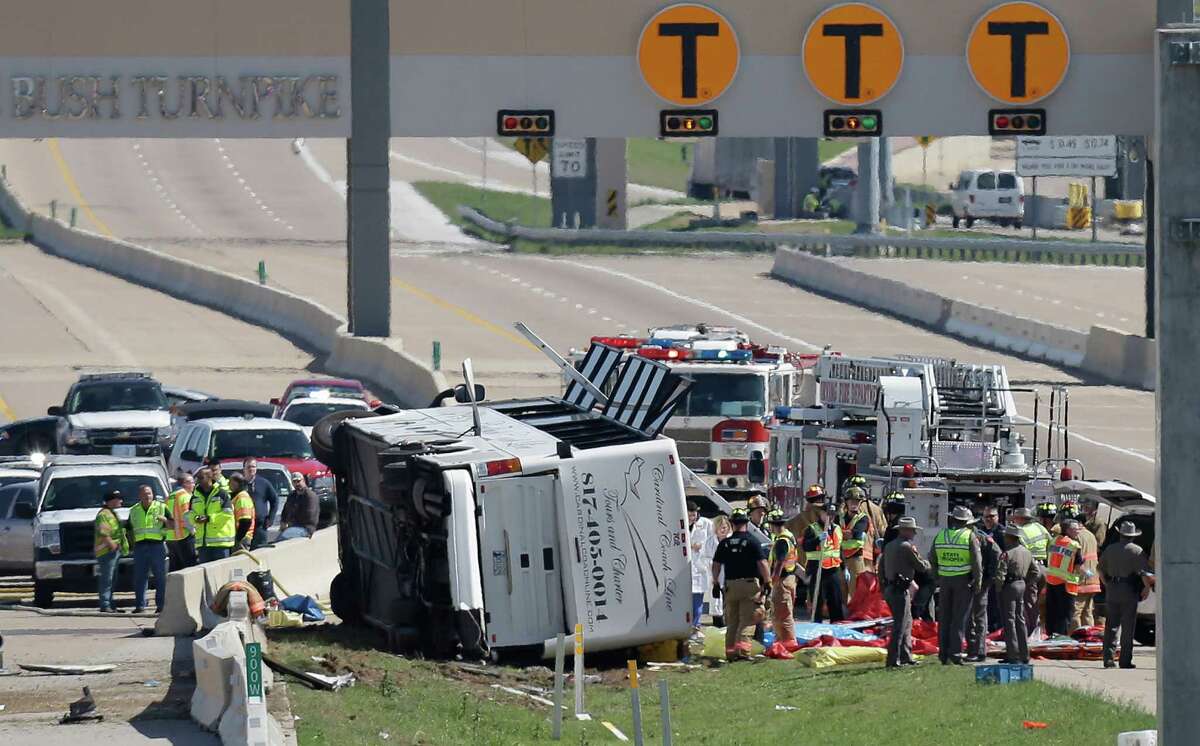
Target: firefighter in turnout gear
pixel 814 495
pixel 858 538
pixel 823 554
pixel 783 561
pixel 747 579
pixel 1063 570
pixel 956 561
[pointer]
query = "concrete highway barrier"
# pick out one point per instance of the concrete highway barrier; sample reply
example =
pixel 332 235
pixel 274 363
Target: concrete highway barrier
pixel 304 566
pixel 382 363
pixel 1108 354
pixel 968 248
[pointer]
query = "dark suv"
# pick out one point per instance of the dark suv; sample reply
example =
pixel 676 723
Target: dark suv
pixel 117 414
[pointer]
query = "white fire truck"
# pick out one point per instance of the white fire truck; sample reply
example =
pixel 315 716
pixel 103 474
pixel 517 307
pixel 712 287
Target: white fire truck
pixel 720 427
pixel 945 432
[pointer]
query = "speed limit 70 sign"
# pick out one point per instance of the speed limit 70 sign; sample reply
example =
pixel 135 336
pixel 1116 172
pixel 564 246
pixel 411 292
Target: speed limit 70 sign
pixel 569 159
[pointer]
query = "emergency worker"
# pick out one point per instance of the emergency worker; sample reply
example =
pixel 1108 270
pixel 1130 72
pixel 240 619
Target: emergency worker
pixel 1125 572
pixel 148 526
pixel 758 506
pixel 878 519
pixel 1036 539
pixel 812 202
pixel 746 579
pixel 801 521
pixel 212 514
pixel 956 561
pixel 822 545
pixel 243 511
pixel 858 538
pixel 214 467
pixel 898 567
pixel 1017 569
pixel 1091 539
pixel 977 615
pixel 109 545
pixel 1046 513
pixel 1063 569
pixel 181 546
pixel 783 561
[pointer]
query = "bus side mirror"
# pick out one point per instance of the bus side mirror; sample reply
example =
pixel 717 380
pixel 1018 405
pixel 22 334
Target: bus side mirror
pixel 756 470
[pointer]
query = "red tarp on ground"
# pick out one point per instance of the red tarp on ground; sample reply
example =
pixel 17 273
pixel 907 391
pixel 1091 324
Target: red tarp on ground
pixel 868 600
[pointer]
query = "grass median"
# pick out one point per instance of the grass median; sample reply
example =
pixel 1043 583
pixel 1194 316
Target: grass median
pixel 426 702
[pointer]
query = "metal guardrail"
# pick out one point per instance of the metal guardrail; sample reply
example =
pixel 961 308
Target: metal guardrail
pixel 965 249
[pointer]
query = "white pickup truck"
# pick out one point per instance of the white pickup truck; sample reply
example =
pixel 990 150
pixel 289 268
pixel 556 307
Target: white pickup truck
pixel 491 530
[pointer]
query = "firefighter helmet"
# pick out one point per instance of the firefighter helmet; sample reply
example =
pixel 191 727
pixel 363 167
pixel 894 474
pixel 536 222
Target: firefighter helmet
pixel 776 516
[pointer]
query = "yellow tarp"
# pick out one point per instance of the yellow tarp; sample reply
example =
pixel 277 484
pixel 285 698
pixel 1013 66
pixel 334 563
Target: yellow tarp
pixel 828 657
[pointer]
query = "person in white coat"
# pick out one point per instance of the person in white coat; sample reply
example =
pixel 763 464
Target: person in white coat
pixel 703 539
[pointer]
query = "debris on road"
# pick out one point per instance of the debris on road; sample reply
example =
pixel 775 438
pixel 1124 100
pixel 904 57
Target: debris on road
pixel 66 670
pixel 82 710
pixel 313 680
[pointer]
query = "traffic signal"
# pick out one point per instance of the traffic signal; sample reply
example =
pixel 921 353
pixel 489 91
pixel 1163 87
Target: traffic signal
pixel 687 123
pixel 856 123
pixel 525 122
pixel 1017 122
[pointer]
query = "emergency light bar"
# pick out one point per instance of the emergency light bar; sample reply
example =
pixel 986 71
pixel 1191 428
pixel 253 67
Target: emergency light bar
pixel 621 343
pixel 664 353
pixel 736 356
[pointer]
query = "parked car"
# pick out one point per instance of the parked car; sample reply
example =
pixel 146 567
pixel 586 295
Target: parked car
pixel 177 395
pixel 306 411
pixel 18 498
pixel 69 492
pixel 119 414
pixel 235 438
pixel 281 479
pixel 204 410
pixel 997 196
pixel 342 388
pixel 36 435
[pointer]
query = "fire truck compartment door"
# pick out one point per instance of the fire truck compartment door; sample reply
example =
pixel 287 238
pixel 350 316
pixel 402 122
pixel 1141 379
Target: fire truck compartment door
pixel 522 588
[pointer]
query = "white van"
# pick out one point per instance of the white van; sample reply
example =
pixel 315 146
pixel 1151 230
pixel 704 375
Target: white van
pixel 997 196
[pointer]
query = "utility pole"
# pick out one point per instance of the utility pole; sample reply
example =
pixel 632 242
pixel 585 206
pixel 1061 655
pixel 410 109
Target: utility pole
pixel 1176 145
pixel 887 179
pixel 866 194
pixel 368 177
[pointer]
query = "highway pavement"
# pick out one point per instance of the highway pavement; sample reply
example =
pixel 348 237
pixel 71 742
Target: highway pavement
pixel 465 295
pixel 61 318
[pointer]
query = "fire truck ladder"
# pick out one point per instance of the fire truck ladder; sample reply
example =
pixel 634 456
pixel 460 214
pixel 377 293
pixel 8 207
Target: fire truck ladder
pixel 1059 447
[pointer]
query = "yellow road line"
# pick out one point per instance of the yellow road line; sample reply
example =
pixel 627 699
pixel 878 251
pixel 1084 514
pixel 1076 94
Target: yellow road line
pixel 73 187
pixel 7 410
pixel 465 314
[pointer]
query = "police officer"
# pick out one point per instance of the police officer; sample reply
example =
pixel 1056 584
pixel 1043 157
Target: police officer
pixel 783 562
pixel 956 561
pixel 1017 570
pixel 977 615
pixel 823 554
pixel 1124 570
pixel 1036 539
pixel 747 578
pixel 109 544
pixel 858 538
pixel 899 566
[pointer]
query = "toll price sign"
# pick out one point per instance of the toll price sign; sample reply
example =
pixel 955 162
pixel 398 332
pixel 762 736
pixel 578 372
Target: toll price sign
pixel 569 158
pixel 1018 53
pixel 688 54
pixel 853 54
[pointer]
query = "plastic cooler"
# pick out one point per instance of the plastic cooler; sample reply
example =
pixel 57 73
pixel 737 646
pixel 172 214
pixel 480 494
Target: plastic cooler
pixel 1003 673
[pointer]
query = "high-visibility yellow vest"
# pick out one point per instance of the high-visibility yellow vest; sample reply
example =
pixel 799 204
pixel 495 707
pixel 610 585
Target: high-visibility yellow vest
pixel 1060 567
pixel 243 510
pixel 1036 539
pixel 218 531
pixel 108 526
pixel 179 506
pixel 952 547
pixel 144 523
pixel 789 559
pixel 830 552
